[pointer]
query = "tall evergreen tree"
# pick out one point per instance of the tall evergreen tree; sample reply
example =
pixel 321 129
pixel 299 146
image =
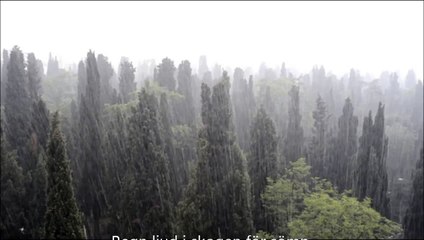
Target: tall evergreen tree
pixel 370 173
pixel 318 148
pixel 343 153
pixel 148 206
pixel 4 76
pixel 262 164
pixel 175 169
pixel 127 85
pixel 90 191
pixel 12 193
pixel 393 94
pixel 52 67
pixel 36 176
pixel 414 218
pixel 185 114
pixel 106 72
pixel 294 138
pixel 34 78
pixel 36 196
pixel 243 106
pixel 63 220
pixel 82 81
pixel 116 161
pixel 417 112
pixel 18 107
pixel 355 87
pixel 40 123
pixel 165 74
pixel 218 195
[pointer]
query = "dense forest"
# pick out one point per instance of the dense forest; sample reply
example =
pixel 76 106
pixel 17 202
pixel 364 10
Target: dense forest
pixel 90 151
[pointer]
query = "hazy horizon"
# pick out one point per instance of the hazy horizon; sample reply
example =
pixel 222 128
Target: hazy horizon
pixel 369 36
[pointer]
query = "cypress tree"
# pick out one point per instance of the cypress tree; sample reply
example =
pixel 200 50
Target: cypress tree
pixel 147 202
pixel 414 218
pixel 243 103
pixel 294 139
pixel 262 164
pixel 417 112
pixel 371 174
pixel 12 193
pixel 82 81
pixel 175 168
pixel 63 219
pixel 185 113
pixel 116 158
pixel 34 78
pixel 218 195
pixel 3 80
pixel 165 74
pixel 355 87
pixel 317 152
pixel 36 195
pixel 90 190
pixel 18 107
pixel 36 176
pixel 106 72
pixel 343 155
pixel 127 85
pixel 52 67
pixel 185 128
pixel 40 122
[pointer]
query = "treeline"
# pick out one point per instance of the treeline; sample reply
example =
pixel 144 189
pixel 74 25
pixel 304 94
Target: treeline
pixel 163 150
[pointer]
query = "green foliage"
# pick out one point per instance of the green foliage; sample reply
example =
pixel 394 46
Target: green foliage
pixel 106 72
pixel 135 160
pixel 34 77
pixel 157 90
pixel 36 195
pixel 176 167
pixel 262 163
pixel 218 193
pixel 318 147
pixel 3 80
pixel 12 193
pixel 63 220
pixel 264 235
pixel 414 218
pixel 127 85
pixel 283 198
pixel 184 108
pixel 59 90
pixel 327 217
pixel 371 174
pixel 17 107
pixel 148 170
pixel 294 139
pixel 164 74
pixel 306 207
pixel 344 149
pixel 244 107
pixel 91 193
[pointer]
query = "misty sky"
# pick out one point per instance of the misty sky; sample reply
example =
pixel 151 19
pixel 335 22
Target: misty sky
pixel 369 36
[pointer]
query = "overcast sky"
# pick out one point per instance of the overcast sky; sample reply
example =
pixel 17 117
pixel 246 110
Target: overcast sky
pixel 369 36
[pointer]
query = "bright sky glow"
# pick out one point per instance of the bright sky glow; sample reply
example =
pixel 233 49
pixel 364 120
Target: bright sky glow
pixel 369 36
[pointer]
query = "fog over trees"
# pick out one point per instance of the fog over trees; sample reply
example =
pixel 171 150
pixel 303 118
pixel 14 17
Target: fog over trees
pixel 167 147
